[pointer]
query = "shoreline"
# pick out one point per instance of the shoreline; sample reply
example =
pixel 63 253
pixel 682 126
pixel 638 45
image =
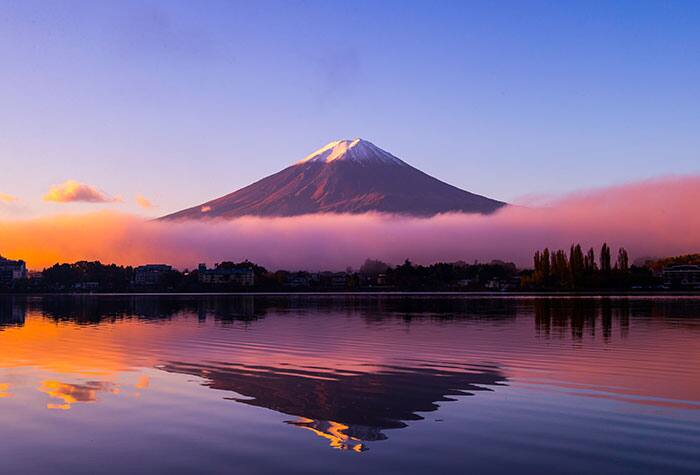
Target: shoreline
pixel 691 293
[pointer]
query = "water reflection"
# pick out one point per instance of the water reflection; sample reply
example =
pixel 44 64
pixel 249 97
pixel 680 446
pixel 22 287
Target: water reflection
pixel 13 311
pixel 94 309
pixel 552 316
pixel 90 309
pixel 176 378
pixel 69 394
pixel 348 408
pixel 580 316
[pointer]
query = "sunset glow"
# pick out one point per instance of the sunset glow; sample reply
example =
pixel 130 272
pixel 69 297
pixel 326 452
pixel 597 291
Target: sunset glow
pixel 355 237
pixel 663 209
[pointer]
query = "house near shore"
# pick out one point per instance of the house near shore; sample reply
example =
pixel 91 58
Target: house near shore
pixel 682 276
pixel 11 270
pixel 299 280
pixel 150 274
pixel 219 275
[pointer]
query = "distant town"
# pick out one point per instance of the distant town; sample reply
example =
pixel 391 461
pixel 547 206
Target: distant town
pixel 552 271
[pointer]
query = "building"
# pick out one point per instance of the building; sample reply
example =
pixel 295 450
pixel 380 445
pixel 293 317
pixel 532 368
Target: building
pixel 339 280
pixel 465 283
pixel 91 286
pixel 11 271
pixel 333 280
pixel 150 274
pixel 685 276
pixel 299 280
pixel 240 276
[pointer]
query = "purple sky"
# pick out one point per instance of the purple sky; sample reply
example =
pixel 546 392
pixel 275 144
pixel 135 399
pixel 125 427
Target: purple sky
pixel 180 102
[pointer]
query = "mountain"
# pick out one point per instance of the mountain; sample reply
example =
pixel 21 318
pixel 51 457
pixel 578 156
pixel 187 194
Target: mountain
pixel 345 176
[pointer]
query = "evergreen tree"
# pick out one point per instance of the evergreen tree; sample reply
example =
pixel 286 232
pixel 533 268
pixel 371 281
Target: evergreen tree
pixel 622 260
pixel 589 261
pixel 576 264
pixel 605 259
pixel 546 268
pixel 560 271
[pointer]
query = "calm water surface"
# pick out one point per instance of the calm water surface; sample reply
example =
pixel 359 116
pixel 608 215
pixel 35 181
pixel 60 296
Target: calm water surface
pixel 349 384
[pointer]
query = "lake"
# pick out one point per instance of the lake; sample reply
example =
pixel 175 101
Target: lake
pixel 349 384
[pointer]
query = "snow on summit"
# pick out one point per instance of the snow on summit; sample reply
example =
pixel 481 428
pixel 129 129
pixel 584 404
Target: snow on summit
pixel 356 150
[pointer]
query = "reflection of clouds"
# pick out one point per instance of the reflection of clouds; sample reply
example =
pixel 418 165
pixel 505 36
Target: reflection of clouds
pixel 335 432
pixel 340 346
pixel 5 390
pixel 71 394
pixel 143 383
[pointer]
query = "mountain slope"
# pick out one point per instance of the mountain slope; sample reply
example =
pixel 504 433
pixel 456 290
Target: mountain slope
pixel 344 177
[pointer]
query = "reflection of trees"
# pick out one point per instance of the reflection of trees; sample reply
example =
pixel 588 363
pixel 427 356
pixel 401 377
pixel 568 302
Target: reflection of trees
pixel 553 315
pixel 347 407
pixel 377 307
pixel 581 316
pixel 93 309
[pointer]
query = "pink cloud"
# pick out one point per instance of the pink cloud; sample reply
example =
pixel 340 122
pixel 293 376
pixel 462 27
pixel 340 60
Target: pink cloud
pixel 658 217
pixel 144 202
pixel 72 191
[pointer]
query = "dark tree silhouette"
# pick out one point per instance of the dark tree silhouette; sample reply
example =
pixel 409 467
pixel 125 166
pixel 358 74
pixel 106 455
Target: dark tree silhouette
pixel 605 259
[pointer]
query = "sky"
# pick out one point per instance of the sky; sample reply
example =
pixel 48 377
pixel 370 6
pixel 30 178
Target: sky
pixel 149 107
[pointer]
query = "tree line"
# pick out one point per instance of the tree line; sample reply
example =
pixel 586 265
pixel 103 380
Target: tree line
pixel 553 270
pixel 576 270
pixel 94 276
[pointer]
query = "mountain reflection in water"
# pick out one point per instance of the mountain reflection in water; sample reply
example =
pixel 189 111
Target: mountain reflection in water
pixel 345 407
pixel 349 404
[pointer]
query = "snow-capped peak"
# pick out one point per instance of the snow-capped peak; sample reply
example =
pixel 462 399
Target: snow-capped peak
pixel 356 150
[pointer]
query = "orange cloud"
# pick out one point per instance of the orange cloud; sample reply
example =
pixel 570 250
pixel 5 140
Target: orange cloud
pixel 73 191
pixel 5 198
pixel 144 202
pixel 654 218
